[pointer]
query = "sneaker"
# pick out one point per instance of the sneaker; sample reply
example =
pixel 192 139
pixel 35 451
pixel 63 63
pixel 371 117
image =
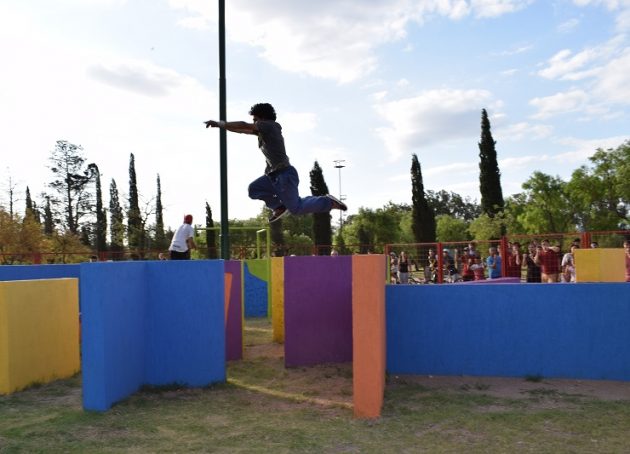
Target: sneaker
pixel 336 203
pixel 278 213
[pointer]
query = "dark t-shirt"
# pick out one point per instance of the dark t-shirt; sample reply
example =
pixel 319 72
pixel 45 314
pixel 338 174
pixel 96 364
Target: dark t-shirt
pixel 271 143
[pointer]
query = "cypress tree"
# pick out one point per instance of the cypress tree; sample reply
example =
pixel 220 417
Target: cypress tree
pixel 489 175
pixel 31 211
pixel 135 233
pixel 160 236
pixel 117 223
pixel 211 235
pixel 49 221
pixel 322 230
pixel 422 215
pixel 100 233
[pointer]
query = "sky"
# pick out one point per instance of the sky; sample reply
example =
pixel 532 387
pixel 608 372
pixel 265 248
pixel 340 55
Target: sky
pixel 369 82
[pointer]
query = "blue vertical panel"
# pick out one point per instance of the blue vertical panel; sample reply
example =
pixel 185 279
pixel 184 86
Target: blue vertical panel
pixel 255 294
pixel 559 330
pixel 113 297
pixel 185 336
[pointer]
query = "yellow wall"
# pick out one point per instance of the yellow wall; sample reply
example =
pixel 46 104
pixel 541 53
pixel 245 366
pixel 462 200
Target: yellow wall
pixel 39 332
pixel 600 265
pixel 277 298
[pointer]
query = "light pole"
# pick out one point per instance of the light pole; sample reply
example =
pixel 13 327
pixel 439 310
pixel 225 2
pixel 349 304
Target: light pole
pixel 339 164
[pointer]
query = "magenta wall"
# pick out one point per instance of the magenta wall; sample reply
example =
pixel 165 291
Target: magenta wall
pixel 317 310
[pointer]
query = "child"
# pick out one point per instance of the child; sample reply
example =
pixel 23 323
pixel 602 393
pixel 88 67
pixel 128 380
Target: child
pixel 278 187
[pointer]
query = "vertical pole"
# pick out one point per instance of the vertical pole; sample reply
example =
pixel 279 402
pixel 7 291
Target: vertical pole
pixel 225 232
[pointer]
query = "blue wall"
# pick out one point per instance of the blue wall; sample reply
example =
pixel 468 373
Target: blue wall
pixel 558 330
pixel 256 301
pixel 27 272
pixel 150 323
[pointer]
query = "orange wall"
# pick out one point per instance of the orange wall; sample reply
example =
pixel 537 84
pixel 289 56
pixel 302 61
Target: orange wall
pixel 368 331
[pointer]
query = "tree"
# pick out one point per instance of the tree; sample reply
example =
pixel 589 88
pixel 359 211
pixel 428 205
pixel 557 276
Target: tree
pixel 100 228
pixel 116 221
pixel 49 220
pixel 549 208
pixel 322 230
pixel 71 179
pixel 135 230
pixel 487 228
pixel 160 236
pixel 452 204
pixel 600 192
pixel 449 228
pixel 423 218
pixel 489 175
pixel 31 211
pixel 211 241
pixel 277 237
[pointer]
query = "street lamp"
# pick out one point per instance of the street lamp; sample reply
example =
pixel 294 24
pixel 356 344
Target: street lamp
pixel 339 165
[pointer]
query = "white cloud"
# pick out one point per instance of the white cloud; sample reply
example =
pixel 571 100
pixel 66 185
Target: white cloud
pixel 435 115
pixel 613 83
pixel 495 8
pixel 559 103
pixel 565 65
pixel 330 39
pixel 568 26
pixel 523 130
pixel 582 149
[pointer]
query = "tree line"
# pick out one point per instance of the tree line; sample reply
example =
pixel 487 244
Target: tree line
pixel 73 216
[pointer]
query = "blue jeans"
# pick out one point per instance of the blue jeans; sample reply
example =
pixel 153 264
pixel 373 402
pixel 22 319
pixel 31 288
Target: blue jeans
pixel 281 188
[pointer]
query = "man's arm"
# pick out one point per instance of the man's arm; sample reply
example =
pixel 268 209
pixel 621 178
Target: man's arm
pixel 191 243
pixel 233 126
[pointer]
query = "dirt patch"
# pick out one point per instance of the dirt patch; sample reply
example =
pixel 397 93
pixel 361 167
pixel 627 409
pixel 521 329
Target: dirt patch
pixel 519 388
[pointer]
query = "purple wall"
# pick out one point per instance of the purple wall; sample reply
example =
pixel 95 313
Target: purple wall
pixel 317 310
pixel 234 322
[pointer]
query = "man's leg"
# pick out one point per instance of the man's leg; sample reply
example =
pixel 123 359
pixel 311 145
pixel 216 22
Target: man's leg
pixel 262 189
pixel 285 184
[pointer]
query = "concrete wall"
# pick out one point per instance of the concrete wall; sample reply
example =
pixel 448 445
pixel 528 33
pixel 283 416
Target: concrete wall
pixel 553 330
pixel 39 332
pixel 150 323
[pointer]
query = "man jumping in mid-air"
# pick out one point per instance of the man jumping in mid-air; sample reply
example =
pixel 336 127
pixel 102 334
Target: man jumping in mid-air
pixel 278 188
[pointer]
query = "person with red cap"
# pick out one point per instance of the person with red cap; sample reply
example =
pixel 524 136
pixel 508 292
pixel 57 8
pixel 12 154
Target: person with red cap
pixel 183 240
pixel 278 187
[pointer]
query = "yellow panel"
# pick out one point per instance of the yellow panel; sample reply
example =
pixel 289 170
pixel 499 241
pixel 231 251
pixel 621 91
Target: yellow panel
pixel 41 321
pixel 4 348
pixel 277 298
pixel 600 265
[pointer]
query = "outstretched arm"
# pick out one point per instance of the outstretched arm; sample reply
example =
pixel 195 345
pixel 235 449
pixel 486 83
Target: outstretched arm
pixel 233 126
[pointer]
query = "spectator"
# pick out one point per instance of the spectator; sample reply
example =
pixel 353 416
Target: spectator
pixel 450 270
pixel 403 268
pixel 430 270
pixel 334 253
pixel 393 267
pixel 183 240
pixel 514 262
pixel 568 265
pixel 493 263
pixel 533 270
pixel 594 244
pixel 626 247
pixel 547 258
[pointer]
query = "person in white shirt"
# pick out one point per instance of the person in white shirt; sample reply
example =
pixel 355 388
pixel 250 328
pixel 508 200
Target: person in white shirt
pixel 183 240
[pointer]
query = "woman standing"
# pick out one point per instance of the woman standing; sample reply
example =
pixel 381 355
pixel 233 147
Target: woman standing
pixel 403 268
pixel 533 270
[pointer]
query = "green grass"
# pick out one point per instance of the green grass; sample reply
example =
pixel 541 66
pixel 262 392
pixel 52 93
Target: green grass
pixel 265 407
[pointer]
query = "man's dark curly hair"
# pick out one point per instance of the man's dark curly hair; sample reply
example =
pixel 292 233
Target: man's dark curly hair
pixel 264 111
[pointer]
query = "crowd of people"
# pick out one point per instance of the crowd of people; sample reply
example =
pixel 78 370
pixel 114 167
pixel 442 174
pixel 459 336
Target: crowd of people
pixel 538 262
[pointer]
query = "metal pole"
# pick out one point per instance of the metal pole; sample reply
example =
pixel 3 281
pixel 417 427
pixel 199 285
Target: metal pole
pixel 339 165
pixel 225 232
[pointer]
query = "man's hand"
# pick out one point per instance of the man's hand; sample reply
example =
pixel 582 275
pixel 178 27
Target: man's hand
pixel 211 123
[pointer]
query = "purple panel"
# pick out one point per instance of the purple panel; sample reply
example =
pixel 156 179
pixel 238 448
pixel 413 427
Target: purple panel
pixel 317 310
pixel 234 323
pixel 499 280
